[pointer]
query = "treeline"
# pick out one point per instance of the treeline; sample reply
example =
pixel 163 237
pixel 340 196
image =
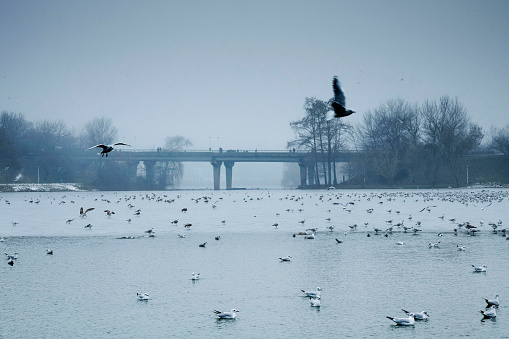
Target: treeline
pixel 398 143
pixel 42 152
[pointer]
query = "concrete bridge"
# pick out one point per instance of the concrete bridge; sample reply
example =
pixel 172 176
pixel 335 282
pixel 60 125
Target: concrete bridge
pixel 228 158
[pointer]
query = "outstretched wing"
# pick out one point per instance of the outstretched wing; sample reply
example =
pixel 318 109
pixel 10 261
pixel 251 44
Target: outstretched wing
pixel 339 96
pixel 100 145
pixel 89 209
pixel 121 143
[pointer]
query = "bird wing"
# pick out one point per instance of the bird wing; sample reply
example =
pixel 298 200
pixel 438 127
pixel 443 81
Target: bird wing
pixel 100 145
pixel 89 209
pixel 339 96
pixel 81 210
pixel 121 143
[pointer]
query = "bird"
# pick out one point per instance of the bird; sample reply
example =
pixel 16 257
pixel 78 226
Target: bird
pixel 109 213
pixel 107 148
pixel 287 258
pixel 315 302
pixel 489 313
pixel 461 248
pixel 49 251
pixel 12 257
pixel 142 296
pixel 83 213
pixel 203 245
pixel 339 241
pixel 195 276
pixel 226 315
pixel 479 268
pixel 313 294
pixel 89 226
pixel 338 104
pixel 404 321
pixel 492 302
pixel 69 221
pixel 418 315
pixel 150 231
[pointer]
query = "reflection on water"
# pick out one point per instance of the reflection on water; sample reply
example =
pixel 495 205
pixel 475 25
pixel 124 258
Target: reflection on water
pixel 88 287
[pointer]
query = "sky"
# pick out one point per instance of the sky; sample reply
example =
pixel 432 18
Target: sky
pixel 234 74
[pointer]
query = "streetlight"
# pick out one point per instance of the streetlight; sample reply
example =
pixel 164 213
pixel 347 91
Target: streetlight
pixel 467 174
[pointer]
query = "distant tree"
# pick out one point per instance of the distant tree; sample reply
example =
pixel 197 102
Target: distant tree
pixel 500 139
pixel 169 173
pixel 448 133
pixel 99 131
pixel 13 143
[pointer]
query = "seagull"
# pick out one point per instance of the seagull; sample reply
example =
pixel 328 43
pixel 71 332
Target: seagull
pixel 434 245
pixel 89 226
pixel 109 213
pixel 338 241
pixel 489 313
pixel 107 148
pixel 84 213
pixel 492 302
pixel 461 248
pixel 48 251
pixel 479 268
pixel 404 321
pixel 226 315
pixel 287 258
pixel 315 302
pixel 142 296
pixel 313 294
pixel 203 245
pixel 195 276
pixel 150 231
pixel 338 104
pixel 69 221
pixel 418 315
pixel 12 257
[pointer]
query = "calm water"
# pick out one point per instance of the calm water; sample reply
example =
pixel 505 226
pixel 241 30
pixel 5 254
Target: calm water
pixel 87 289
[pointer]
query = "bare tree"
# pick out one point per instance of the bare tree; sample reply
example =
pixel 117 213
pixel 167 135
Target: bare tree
pixel 500 139
pixel 169 173
pixel 99 131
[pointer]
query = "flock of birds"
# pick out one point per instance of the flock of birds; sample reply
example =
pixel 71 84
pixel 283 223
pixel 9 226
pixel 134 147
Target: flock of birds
pixel 481 200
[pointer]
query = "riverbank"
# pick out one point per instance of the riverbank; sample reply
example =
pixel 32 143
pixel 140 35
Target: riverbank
pixel 54 187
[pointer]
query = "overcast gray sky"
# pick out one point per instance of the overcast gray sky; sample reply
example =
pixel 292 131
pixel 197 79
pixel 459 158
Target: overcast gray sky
pixel 235 73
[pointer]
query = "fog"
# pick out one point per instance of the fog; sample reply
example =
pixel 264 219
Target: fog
pixel 234 74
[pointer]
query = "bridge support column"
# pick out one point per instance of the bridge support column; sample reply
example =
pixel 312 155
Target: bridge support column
pixel 149 170
pixel 311 175
pixel 216 165
pixel 303 169
pixel 229 166
pixel 132 169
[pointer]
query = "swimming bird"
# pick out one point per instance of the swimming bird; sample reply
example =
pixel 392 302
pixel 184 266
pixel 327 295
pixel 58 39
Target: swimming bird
pixel 489 313
pixel 83 213
pixel 418 315
pixel 310 236
pixel 492 302
pixel 313 294
pixel 479 268
pixel 404 321
pixel 461 248
pixel 203 245
pixel 195 276
pixel 107 148
pixel 218 237
pixel 142 296
pixel 315 302
pixel 434 244
pixel 150 231
pixel 109 213
pixel 48 251
pixel 287 258
pixel 181 236
pixel 338 104
pixel 226 315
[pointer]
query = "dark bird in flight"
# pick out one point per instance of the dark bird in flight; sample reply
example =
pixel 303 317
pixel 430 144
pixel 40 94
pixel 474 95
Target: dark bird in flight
pixel 107 148
pixel 339 101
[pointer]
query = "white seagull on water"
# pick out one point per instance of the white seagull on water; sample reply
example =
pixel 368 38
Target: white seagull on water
pixel 418 315
pixel 226 315
pixel 313 294
pixel 404 321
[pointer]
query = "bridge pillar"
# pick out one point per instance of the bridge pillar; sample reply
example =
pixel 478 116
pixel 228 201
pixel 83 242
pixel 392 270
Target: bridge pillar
pixel 229 165
pixel 149 170
pixel 311 175
pixel 132 169
pixel 216 165
pixel 303 169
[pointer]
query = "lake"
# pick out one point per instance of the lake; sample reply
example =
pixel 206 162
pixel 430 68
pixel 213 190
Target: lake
pixel 88 287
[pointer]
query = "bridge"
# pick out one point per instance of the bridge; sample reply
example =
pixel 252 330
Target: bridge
pixel 228 158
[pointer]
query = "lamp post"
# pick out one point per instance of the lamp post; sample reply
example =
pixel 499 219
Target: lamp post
pixel 467 174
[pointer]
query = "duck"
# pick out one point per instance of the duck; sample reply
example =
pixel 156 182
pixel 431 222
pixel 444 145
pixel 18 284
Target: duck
pixel 107 148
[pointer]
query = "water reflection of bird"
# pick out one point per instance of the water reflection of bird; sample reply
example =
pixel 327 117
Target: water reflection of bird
pixel 107 148
pixel 338 104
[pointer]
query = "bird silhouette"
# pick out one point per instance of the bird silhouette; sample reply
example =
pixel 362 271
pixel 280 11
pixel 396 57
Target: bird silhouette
pixel 107 148
pixel 338 104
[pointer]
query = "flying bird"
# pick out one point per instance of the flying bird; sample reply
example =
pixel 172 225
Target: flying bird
pixel 84 213
pixel 107 148
pixel 339 101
